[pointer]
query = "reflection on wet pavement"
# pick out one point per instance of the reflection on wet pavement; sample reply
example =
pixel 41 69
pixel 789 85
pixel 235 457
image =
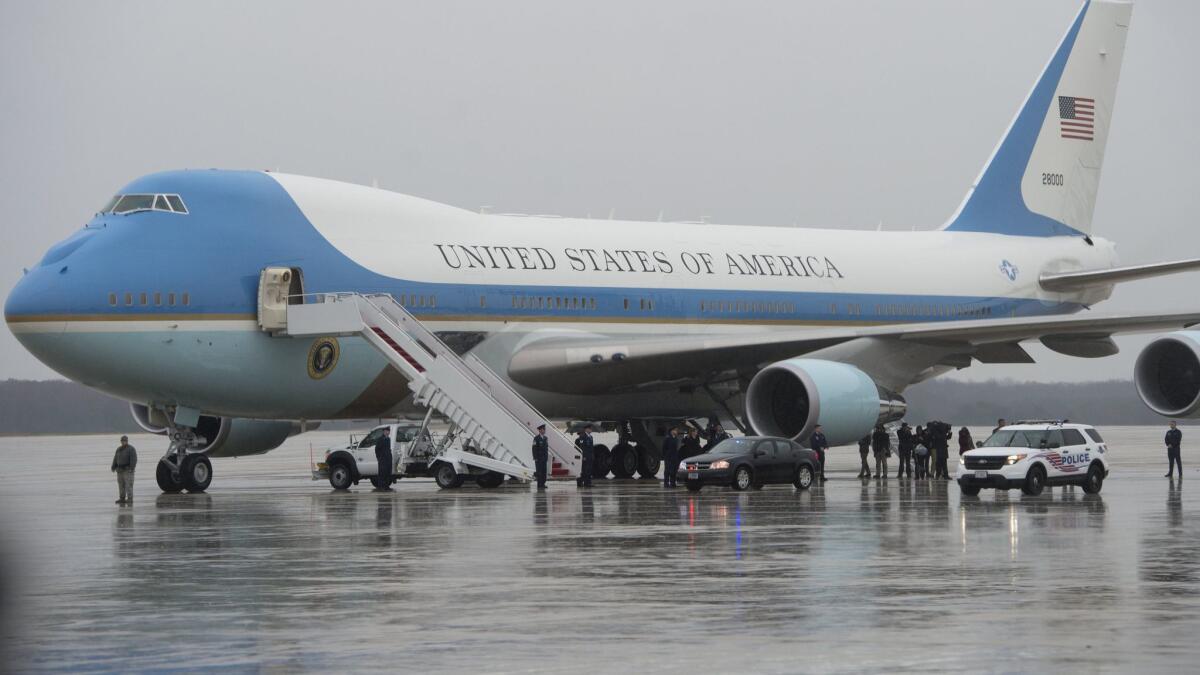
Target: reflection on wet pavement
pixel 272 571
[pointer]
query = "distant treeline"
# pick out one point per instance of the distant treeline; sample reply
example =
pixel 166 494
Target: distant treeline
pixel 55 406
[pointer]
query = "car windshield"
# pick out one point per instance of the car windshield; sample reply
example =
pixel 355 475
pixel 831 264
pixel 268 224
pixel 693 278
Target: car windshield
pixel 732 446
pixel 1025 438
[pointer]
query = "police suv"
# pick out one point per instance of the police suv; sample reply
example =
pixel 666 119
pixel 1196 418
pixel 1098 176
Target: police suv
pixel 1031 455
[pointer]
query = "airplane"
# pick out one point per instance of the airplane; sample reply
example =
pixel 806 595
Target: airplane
pixel 155 300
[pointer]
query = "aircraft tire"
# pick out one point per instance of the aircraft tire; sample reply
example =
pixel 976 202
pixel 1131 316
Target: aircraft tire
pixel 167 481
pixel 601 459
pixel 624 460
pixel 648 464
pixel 196 473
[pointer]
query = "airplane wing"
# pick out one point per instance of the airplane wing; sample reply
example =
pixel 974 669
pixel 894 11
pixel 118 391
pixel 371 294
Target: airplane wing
pixel 594 364
pixel 1067 281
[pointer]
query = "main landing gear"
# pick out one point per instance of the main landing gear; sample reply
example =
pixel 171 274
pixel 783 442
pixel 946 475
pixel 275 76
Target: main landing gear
pixel 183 468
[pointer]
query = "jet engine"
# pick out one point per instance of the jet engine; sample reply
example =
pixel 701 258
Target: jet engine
pixel 1167 374
pixel 224 436
pixel 789 398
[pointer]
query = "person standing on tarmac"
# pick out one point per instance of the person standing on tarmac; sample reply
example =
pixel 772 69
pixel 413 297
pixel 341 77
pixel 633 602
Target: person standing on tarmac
pixel 1173 440
pixel 585 445
pixel 383 455
pixel 864 448
pixel 125 461
pixel 939 434
pixel 670 452
pixel 921 454
pixel 965 442
pixel 689 445
pixel 1000 424
pixel 904 439
pixel 819 445
pixel 717 435
pixel 541 456
pixel 881 445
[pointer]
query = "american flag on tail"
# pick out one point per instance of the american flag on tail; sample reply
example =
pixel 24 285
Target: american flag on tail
pixel 1077 117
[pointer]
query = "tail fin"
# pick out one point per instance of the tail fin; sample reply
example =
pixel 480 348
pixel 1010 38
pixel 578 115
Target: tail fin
pixel 1042 178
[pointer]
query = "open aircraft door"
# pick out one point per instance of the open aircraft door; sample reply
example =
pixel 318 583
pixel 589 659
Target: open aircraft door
pixel 278 287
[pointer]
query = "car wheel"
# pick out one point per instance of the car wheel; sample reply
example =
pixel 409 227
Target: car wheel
pixel 694 485
pixel 1095 479
pixel 743 478
pixel 969 490
pixel 340 477
pixel 446 477
pixel 804 477
pixel 1035 481
pixel 491 479
pixel 601 459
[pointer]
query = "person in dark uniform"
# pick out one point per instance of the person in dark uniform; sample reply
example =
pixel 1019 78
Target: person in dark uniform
pixel 881 445
pixel 585 445
pixel 541 456
pixel 1173 439
pixel 124 463
pixel 689 445
pixel 819 445
pixel 1000 424
pixel 939 434
pixel 670 452
pixel 864 449
pixel 907 441
pixel 383 455
pixel 718 434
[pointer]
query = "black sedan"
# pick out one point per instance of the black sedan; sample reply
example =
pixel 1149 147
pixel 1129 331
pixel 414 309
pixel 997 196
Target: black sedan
pixel 750 462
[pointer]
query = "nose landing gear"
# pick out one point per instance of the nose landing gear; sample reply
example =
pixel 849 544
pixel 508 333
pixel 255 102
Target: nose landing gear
pixel 183 467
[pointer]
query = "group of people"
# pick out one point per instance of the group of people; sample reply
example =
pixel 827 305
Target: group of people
pixel 922 452
pixel 675 449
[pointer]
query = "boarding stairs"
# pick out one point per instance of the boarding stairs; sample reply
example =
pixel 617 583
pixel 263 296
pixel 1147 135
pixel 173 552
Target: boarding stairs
pixel 494 421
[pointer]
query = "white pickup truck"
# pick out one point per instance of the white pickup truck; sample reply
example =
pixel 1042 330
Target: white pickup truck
pixel 414 454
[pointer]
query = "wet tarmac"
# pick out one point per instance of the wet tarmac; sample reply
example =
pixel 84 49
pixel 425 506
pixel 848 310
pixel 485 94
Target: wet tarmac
pixel 273 572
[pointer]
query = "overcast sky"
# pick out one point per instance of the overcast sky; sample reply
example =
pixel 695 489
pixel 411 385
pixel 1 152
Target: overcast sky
pixel 843 114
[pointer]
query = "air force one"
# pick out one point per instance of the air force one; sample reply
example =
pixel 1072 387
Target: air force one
pixel 157 299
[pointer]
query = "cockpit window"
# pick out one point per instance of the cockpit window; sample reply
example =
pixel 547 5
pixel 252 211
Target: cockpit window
pixel 131 203
pixel 122 204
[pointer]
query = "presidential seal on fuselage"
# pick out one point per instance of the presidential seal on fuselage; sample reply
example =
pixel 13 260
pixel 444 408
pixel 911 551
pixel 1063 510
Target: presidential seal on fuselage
pixel 323 357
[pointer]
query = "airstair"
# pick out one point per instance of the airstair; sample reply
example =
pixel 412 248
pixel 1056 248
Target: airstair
pixel 495 423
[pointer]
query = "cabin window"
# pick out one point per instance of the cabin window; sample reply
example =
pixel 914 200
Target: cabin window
pixel 129 299
pixel 112 299
pixel 142 299
pixel 186 300
pixel 157 299
pixel 171 299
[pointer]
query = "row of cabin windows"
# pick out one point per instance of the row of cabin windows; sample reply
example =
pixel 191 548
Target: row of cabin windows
pixel 932 310
pixel 157 298
pixel 643 304
pixel 548 302
pixel 414 300
pixel 726 307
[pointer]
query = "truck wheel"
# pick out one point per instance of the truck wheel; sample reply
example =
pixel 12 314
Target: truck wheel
pixel 446 477
pixel 969 490
pixel 168 481
pixel 340 477
pixel 648 464
pixel 491 479
pixel 601 458
pixel 742 478
pixel 694 485
pixel 1095 479
pixel 624 460
pixel 1035 481
pixel 196 473
pixel 804 477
